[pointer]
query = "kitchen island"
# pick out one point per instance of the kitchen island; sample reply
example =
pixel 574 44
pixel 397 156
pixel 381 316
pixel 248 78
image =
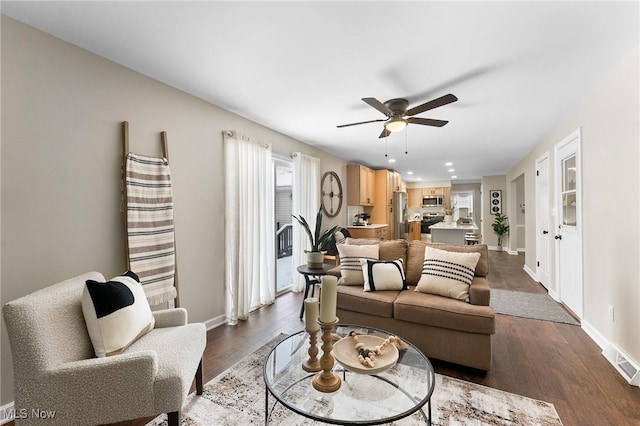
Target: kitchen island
pixel 374 230
pixel 451 233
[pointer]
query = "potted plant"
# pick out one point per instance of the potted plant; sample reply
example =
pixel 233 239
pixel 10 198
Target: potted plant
pixel 448 214
pixel 500 227
pixel 318 240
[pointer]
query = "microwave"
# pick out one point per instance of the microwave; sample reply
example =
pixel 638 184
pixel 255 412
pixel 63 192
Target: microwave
pixel 432 201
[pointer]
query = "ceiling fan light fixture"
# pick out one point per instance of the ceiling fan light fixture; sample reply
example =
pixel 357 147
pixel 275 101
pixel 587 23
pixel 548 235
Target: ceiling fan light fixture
pixel 396 124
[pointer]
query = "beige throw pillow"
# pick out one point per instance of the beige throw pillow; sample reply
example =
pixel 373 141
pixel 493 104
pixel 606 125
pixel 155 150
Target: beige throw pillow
pixel 350 267
pixel 447 273
pixel 383 275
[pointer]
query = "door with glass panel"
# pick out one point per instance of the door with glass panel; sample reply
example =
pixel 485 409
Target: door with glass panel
pixel 569 222
pixel 283 176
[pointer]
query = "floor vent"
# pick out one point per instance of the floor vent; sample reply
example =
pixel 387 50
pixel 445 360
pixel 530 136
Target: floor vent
pixel 625 366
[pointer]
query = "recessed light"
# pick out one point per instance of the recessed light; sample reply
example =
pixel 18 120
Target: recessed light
pixel 454 177
pixel 451 170
pixel 448 164
pixel 419 179
pixel 409 173
pixel 392 160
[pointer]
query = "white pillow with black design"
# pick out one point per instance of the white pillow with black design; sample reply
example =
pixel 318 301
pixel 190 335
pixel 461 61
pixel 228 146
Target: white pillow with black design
pixel 350 267
pixel 447 273
pixel 116 312
pixel 383 275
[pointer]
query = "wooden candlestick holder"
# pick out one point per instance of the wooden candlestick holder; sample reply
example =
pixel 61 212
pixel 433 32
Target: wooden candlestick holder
pixel 312 364
pixel 326 380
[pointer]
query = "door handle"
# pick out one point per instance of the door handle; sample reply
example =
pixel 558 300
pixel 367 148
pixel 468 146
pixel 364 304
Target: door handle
pixel 558 237
pixel 545 232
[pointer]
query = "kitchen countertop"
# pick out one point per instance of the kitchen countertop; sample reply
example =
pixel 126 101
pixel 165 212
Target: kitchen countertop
pixel 454 225
pixel 369 226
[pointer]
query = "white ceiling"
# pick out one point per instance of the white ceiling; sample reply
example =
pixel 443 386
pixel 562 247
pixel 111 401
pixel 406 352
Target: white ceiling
pixel 301 68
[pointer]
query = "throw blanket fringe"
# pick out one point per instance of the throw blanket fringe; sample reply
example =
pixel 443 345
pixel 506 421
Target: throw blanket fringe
pixel 150 229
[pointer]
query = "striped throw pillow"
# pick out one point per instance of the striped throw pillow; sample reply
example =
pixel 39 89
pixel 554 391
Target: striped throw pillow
pixel 350 267
pixel 447 273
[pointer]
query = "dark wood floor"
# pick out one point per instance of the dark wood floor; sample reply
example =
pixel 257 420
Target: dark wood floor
pixel 554 362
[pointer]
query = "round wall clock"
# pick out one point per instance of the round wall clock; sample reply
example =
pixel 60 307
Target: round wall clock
pixel 331 191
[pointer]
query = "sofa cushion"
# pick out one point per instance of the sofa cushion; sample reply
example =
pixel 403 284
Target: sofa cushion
pixel 389 249
pixel 376 303
pixel 415 258
pixel 383 275
pixel 447 273
pixel 438 311
pixel 350 267
pixel 116 313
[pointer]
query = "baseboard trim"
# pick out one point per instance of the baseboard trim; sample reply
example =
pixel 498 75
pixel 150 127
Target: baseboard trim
pixel 7 413
pixel 512 252
pixel 594 334
pixel 215 322
pixel 530 273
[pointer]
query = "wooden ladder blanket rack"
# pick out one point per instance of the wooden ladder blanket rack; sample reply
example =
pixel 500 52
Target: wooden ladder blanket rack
pixel 150 243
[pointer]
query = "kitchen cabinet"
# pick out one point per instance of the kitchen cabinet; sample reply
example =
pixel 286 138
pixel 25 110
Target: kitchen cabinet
pixel 397 183
pixel 414 198
pixel 361 182
pixel 414 230
pixel 446 197
pixel 376 231
pixel 432 191
pixel 382 211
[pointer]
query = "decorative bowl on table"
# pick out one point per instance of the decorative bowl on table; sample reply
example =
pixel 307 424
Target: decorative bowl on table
pixel 346 354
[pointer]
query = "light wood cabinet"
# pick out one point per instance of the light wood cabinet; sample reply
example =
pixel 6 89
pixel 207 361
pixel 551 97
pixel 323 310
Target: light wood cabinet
pixel 397 182
pixel 414 198
pixel 432 191
pixel 361 182
pixel 414 230
pixel 379 233
pixel 382 211
pixel 446 197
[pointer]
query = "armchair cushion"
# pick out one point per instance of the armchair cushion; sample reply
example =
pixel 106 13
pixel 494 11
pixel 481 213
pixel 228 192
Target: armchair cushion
pixel 116 312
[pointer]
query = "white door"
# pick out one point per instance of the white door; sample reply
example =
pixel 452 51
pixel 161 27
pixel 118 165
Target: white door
pixel 543 227
pixel 569 222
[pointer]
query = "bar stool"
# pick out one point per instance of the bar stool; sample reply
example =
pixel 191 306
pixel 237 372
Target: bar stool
pixel 471 239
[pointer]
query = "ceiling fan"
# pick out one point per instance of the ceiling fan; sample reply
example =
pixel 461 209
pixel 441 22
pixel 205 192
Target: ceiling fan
pixel 398 116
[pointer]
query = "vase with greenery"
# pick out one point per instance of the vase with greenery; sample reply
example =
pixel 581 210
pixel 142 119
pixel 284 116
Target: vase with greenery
pixel 317 239
pixel 500 227
pixel 448 213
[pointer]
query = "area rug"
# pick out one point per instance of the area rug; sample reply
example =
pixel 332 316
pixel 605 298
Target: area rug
pixel 236 397
pixel 529 305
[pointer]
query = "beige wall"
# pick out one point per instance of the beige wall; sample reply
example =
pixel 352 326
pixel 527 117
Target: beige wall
pixel 60 171
pixel 489 183
pixel 609 119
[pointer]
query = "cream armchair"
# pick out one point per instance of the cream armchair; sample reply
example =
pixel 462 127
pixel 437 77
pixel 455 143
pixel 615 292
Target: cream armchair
pixel 57 375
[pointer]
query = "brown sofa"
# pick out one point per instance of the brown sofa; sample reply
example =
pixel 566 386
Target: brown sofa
pixel 442 328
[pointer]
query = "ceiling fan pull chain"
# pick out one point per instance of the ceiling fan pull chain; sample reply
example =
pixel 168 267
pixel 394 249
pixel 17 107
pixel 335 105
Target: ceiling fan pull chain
pixel 406 130
pixel 386 148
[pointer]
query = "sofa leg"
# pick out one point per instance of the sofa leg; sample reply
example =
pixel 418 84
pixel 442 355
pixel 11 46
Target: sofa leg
pixel 173 418
pixel 199 388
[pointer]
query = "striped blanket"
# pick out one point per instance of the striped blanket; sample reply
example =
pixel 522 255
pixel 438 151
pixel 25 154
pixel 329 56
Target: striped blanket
pixel 150 228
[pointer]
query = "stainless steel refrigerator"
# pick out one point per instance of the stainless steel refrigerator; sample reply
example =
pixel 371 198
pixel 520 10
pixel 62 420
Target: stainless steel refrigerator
pixel 400 222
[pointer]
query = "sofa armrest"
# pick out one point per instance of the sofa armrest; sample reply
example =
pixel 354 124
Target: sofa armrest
pixel 170 317
pixel 479 291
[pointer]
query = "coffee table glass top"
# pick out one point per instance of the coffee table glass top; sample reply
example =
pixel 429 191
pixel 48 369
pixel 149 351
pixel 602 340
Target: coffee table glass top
pixel 362 399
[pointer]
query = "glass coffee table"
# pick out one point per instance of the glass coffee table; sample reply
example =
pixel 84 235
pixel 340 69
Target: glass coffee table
pixel 362 399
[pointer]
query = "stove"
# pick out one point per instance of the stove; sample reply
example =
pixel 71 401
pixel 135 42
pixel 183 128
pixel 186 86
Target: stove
pixel 428 220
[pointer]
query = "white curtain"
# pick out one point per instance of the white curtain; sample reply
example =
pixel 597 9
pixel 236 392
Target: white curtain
pixel 249 226
pixel 306 202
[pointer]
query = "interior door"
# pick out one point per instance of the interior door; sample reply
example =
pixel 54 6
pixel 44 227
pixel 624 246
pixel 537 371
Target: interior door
pixel 543 227
pixel 569 222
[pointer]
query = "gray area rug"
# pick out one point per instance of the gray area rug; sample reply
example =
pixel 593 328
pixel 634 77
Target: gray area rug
pixel 236 397
pixel 529 305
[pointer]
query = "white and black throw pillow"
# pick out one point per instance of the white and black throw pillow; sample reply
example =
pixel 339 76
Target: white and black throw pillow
pixel 447 273
pixel 383 275
pixel 116 312
pixel 350 268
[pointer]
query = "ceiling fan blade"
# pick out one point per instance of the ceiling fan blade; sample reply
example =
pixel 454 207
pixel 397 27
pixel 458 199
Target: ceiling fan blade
pixel 379 106
pixel 443 100
pixel 427 121
pixel 384 133
pixel 361 122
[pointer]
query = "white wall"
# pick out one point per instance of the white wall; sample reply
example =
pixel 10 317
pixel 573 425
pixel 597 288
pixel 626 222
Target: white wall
pixel 610 122
pixel 60 173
